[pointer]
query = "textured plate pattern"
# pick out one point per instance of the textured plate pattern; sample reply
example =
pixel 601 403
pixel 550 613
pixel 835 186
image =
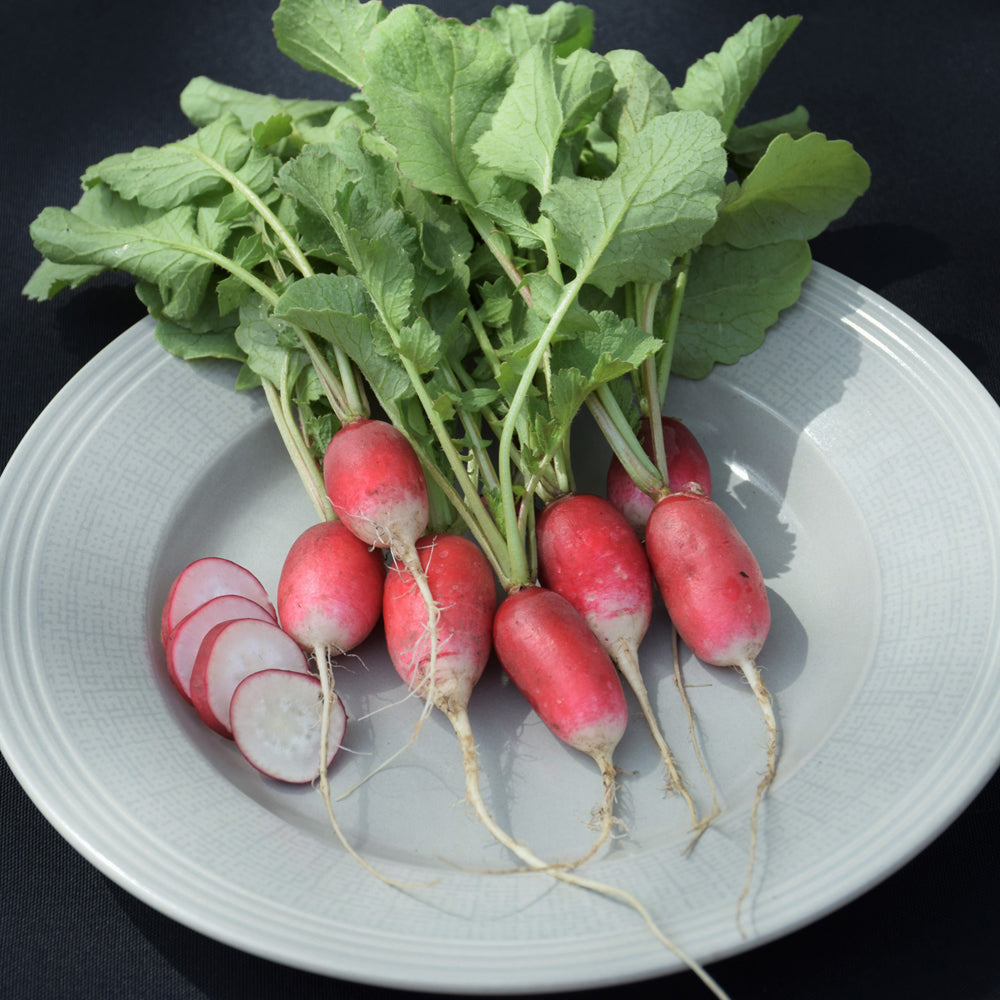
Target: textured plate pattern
pixel 858 456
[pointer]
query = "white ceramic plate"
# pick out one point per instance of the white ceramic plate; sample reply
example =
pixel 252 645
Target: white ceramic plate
pixel 857 455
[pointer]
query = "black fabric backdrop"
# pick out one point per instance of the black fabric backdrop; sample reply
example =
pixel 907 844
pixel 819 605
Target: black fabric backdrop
pixel 913 84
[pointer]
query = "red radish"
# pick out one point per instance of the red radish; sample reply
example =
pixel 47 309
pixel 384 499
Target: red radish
pixel 202 580
pixel 185 640
pixel 231 651
pixel 376 484
pixel 715 595
pixel 589 553
pixel 462 582
pixel 275 717
pixel 330 589
pixel 377 488
pixel 686 464
pixel 548 650
pixel 329 601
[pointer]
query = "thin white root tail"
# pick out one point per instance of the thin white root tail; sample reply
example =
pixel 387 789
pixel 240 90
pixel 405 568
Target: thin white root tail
pixel 752 674
pixel 410 559
pixel 627 660
pixel 693 735
pixel 460 721
pixel 326 683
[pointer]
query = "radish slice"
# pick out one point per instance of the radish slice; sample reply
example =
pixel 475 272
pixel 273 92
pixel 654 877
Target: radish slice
pixel 234 650
pixel 185 640
pixel 200 582
pixel 275 716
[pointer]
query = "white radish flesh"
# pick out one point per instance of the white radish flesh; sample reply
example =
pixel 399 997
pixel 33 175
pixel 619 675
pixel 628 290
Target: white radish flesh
pixel 202 580
pixel 276 716
pixel 185 640
pixel 232 651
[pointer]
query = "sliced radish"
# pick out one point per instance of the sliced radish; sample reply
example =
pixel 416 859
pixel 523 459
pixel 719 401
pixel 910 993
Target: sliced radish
pixel 185 640
pixel 232 651
pixel 202 580
pixel 276 715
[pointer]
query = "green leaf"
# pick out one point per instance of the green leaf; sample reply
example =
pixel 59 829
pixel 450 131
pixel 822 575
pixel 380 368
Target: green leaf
pixel 585 82
pixel 434 87
pixel 733 297
pixel 168 176
pixel 747 145
pixel 205 100
pixel 183 343
pixel 566 27
pixel 641 94
pixel 271 347
pixel 49 278
pixel 721 83
pixel 328 36
pixel 521 140
pixel 612 347
pixel 337 308
pixel 657 205
pixel 169 251
pixel 420 345
pixel 797 188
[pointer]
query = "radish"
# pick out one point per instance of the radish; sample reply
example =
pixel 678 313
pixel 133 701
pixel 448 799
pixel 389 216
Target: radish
pixel 329 601
pixel 231 651
pixel 202 580
pixel 276 716
pixel 329 595
pixel 185 640
pixel 548 650
pixel 377 488
pixel 463 586
pixel 686 464
pixel 589 553
pixel 715 595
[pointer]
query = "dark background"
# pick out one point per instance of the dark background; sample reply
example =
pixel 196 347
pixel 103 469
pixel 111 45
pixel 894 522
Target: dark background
pixel 914 85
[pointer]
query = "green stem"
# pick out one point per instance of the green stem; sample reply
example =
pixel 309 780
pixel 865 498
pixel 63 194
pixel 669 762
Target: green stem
pixel 665 356
pixel 652 402
pixel 616 429
pixel 516 546
pixel 491 237
pixel 299 453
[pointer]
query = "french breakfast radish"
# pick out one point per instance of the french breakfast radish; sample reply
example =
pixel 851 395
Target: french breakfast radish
pixel 463 586
pixel 589 553
pixel 200 581
pixel 714 593
pixel 329 600
pixel 231 651
pixel 185 640
pixel 547 649
pixel 329 593
pixel 376 486
pixel 275 718
pixel 686 464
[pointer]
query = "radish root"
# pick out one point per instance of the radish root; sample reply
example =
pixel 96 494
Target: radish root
pixel 326 683
pixel 627 660
pixel 693 735
pixel 752 674
pixel 460 721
